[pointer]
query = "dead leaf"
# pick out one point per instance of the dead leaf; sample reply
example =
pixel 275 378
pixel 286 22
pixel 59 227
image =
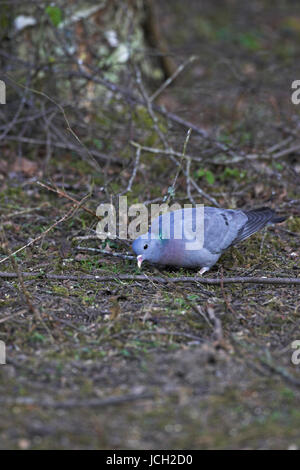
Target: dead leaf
pixel 114 308
pixel 23 165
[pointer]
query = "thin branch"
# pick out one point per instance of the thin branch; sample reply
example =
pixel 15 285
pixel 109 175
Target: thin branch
pixel 135 167
pixel 74 403
pixel 60 107
pixel 150 108
pixel 130 97
pixel 172 189
pixel 161 280
pixel 66 216
pixel 104 252
pixel 61 145
pixel 172 78
pixel 62 193
pixel 218 330
pixel 164 151
pixel 283 153
pixel 24 211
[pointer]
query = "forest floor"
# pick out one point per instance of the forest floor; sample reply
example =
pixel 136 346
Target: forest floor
pixel 129 364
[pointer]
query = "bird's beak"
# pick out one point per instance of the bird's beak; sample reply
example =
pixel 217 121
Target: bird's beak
pixel 139 261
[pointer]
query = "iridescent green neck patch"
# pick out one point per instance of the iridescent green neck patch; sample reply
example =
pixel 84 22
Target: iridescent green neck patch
pixel 163 240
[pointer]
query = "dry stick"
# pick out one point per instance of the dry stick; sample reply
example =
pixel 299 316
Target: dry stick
pixel 104 252
pixel 264 233
pixel 62 193
pixel 32 117
pixel 164 151
pixel 150 109
pixel 41 93
pixel 68 214
pixel 67 146
pixel 213 161
pixel 280 144
pixel 218 330
pixel 188 180
pixel 25 211
pixel 172 78
pixel 293 234
pixel 172 189
pixel 73 403
pixel 130 97
pixel 86 237
pixel 14 315
pixel 164 140
pixel 31 307
pixel 135 167
pixel 162 280
pixel 283 153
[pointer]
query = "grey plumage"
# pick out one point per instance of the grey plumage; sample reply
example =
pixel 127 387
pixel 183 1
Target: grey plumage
pixel 171 236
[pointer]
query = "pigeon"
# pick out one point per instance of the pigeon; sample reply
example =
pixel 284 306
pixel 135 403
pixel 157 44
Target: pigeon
pixel 196 237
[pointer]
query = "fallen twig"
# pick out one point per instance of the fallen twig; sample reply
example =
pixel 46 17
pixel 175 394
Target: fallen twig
pixel 288 151
pixel 24 211
pixel 172 78
pixel 159 151
pixel 218 330
pixel 62 193
pixel 161 280
pixel 73 403
pixel 104 252
pixel 66 216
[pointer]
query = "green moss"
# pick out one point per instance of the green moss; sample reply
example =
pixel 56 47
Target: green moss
pixel 60 290
pixel 293 224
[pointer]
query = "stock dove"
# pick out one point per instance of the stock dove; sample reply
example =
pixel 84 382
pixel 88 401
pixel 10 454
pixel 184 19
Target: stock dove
pixel 174 238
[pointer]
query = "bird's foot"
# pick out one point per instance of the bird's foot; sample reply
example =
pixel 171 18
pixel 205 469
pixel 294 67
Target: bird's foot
pixel 202 271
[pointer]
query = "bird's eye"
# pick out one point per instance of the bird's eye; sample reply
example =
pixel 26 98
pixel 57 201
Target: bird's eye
pixel 145 246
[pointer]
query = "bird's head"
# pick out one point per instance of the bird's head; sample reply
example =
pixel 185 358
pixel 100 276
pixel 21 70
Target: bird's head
pixel 147 248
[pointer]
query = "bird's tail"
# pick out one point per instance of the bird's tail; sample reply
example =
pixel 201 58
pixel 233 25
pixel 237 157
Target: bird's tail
pixel 257 219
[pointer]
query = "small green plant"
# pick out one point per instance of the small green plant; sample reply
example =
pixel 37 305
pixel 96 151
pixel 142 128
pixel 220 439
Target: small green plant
pixel 278 166
pixel 232 173
pixel 98 144
pixel 207 174
pixel 249 41
pixel 54 14
pixel 38 337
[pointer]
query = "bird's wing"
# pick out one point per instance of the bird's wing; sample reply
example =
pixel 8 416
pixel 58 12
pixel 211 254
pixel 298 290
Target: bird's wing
pixel 222 227
pixel 256 220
